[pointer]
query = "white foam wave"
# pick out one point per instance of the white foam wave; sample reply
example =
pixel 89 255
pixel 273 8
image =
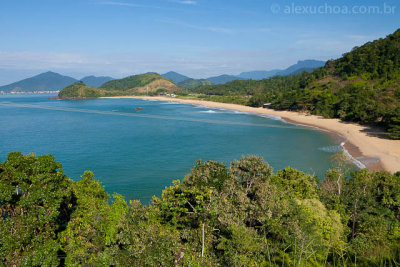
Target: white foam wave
pixel 272 117
pixel 170 103
pixel 356 162
pixel 331 149
pixel 208 111
pixel 240 112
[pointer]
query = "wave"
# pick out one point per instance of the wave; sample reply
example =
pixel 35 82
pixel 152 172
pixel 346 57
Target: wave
pixel 241 112
pixel 331 149
pixel 170 103
pixel 272 117
pixel 208 111
pixel 341 148
pixel 356 162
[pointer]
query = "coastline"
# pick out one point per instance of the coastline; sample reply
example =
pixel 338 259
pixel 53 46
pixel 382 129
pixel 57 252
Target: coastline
pixel 373 152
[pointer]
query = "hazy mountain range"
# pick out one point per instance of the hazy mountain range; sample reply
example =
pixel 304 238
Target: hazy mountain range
pixel 300 66
pixel 51 81
pixel 48 81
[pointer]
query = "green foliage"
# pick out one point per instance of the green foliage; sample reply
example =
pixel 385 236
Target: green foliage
pixel 298 183
pixel 94 224
pixel 378 59
pixel 131 81
pixel 208 174
pixel 193 83
pixel 240 100
pixel 394 124
pixel 144 241
pixel 36 202
pixel 79 89
pixel 244 215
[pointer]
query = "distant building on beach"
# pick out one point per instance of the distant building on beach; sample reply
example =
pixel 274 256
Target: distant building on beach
pixel 267 105
pixel 167 95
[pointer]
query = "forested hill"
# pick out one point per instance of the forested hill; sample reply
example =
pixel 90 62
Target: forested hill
pixel 362 86
pixel 149 83
pixel 138 81
pixel 244 215
pixel 80 90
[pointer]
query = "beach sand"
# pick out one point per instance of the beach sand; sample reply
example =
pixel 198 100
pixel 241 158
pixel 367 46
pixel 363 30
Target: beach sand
pixel 360 141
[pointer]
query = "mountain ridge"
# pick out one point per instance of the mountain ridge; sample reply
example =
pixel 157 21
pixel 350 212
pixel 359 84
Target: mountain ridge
pixel 148 83
pixel 96 81
pixel 46 81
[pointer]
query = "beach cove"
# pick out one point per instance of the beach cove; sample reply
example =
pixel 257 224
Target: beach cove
pixel 374 152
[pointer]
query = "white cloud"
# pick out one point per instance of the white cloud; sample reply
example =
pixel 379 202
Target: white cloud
pixel 184 2
pixel 116 3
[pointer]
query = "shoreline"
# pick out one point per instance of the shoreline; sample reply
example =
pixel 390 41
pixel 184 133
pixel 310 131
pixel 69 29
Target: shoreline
pixel 373 152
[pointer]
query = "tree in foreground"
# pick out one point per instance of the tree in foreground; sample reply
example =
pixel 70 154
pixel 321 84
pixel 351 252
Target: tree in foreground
pixel 241 215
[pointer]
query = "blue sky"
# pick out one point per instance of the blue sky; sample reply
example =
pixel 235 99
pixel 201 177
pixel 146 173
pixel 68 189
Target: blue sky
pixel 198 38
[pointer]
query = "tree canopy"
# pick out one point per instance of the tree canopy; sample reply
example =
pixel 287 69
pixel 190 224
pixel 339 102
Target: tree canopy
pixel 241 215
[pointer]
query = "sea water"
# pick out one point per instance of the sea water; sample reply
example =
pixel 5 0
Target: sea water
pixel 137 153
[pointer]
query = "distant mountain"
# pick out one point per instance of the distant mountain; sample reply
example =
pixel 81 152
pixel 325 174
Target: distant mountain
pixel 193 83
pixel 302 65
pixel 94 81
pixel 175 77
pixel 48 81
pixel 223 79
pixel 258 74
pixel 309 70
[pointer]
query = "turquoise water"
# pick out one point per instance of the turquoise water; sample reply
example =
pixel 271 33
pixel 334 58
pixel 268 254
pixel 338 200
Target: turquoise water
pixel 137 154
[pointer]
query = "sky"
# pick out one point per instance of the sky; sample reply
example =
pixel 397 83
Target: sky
pixel 198 38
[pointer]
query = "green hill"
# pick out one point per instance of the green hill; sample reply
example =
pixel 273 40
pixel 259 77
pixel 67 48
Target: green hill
pixel 363 86
pixel 193 83
pixel 136 83
pixel 81 90
pixel 221 79
pixel 149 83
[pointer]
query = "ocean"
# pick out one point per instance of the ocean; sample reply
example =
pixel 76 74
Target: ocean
pixel 137 153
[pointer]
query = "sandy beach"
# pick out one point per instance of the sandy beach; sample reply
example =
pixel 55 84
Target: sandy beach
pixel 374 152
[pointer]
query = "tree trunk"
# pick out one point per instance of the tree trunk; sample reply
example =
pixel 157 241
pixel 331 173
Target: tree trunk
pixel 202 245
pixel 354 219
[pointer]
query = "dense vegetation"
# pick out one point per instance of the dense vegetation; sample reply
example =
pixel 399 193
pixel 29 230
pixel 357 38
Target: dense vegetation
pixel 244 215
pixel 363 86
pixel 193 83
pixel 79 89
pixel 131 81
